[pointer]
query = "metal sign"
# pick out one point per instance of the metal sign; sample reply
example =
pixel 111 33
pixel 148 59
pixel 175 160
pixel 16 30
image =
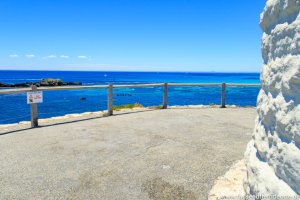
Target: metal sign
pixel 34 97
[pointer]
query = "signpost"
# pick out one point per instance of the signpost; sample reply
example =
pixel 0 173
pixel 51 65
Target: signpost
pixel 33 98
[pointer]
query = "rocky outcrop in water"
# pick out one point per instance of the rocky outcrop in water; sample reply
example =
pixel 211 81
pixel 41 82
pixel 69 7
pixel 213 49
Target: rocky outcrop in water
pixel 273 156
pixel 56 82
pixel 48 82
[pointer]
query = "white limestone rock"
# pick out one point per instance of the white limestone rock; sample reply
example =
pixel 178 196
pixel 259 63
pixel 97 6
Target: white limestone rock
pixel 231 184
pixel 273 156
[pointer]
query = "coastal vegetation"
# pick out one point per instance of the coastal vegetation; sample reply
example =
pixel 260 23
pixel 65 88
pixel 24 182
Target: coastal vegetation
pixel 128 106
pixel 155 107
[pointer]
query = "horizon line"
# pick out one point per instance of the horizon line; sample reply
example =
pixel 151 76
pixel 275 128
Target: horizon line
pixel 132 71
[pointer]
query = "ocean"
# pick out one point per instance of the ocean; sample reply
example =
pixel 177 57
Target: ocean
pixel 14 107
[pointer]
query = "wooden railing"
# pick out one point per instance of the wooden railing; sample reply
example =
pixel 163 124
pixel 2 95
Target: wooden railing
pixel 109 87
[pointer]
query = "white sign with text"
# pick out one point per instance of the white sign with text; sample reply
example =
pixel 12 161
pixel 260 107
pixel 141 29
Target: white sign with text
pixel 34 97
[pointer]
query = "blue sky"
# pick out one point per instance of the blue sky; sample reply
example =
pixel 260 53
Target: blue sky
pixel 131 35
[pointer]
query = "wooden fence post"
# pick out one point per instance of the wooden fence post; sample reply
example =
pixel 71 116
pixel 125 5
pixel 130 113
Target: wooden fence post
pixel 34 110
pixel 110 100
pixel 223 95
pixel 165 98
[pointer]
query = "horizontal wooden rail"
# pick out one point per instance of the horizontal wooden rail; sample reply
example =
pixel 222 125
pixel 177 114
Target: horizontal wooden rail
pixel 243 85
pixel 11 91
pixel 110 87
pixel 194 84
pixel 18 90
pixel 73 87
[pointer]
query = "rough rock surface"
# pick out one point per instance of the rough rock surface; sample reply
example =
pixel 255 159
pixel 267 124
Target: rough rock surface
pixel 273 156
pixel 231 184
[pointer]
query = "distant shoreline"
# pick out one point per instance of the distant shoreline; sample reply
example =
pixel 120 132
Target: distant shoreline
pixel 204 72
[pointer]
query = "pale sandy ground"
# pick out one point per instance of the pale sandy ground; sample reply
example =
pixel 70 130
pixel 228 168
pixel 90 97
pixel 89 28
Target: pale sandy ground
pixel 230 185
pixel 176 153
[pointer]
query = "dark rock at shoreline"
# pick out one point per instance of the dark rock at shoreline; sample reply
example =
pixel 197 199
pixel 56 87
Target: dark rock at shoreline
pixel 21 85
pixel 4 84
pixel 73 83
pixel 124 95
pixel 49 82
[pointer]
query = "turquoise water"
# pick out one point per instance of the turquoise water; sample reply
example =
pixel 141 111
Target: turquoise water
pixel 14 108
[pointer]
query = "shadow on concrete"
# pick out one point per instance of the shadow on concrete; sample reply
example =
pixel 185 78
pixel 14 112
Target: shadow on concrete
pixel 70 122
pixel 17 130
